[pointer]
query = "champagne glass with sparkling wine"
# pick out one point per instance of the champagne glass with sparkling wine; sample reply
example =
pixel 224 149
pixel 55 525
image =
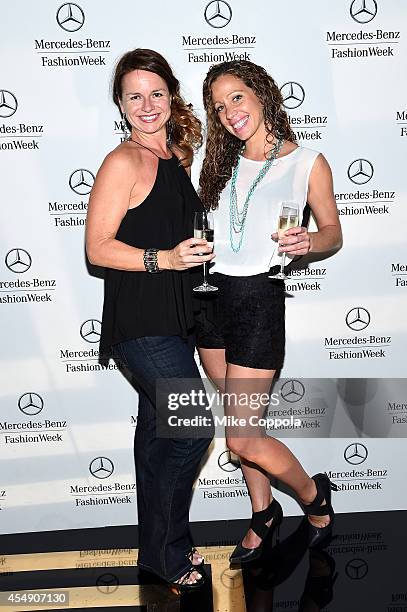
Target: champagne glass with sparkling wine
pixel 288 218
pixel 203 228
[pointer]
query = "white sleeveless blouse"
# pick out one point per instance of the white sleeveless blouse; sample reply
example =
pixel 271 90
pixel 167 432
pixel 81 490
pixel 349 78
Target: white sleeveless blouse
pixel 286 180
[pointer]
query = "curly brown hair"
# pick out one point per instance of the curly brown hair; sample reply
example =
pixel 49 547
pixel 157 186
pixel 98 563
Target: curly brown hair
pixel 184 129
pixel 222 148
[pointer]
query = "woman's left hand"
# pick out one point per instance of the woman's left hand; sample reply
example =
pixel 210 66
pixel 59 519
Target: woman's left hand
pixel 296 241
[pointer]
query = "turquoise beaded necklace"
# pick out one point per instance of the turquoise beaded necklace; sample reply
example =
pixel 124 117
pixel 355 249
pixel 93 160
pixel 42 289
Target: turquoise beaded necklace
pixel 237 218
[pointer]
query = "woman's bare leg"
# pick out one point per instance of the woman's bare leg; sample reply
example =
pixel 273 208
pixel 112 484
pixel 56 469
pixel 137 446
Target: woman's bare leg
pixel 258 483
pixel 268 453
pixel 214 364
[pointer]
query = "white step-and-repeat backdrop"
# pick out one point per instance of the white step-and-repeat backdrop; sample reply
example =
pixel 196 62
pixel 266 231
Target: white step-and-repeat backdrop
pixel 66 423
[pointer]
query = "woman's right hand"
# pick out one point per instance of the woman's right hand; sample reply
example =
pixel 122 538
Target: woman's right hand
pixel 187 254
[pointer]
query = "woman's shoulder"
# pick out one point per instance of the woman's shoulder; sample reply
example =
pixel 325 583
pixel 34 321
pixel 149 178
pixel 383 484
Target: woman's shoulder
pixel 122 159
pixel 305 154
pixel 124 153
pixel 314 163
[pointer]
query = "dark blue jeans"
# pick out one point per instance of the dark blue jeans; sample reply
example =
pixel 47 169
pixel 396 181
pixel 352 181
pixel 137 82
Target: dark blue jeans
pixel 165 467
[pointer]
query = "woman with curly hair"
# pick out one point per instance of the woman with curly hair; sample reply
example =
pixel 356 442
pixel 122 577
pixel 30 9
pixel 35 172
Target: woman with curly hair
pixel 252 165
pixel 140 228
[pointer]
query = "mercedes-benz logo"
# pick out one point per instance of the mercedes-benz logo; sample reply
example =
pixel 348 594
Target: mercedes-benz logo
pixel 18 261
pixel 292 391
pixel 8 103
pixel 101 467
pixel 358 318
pixel 90 330
pixel 363 11
pixel 218 13
pixel 360 171
pixel 227 463
pixel 70 17
pixel 81 181
pixel 30 403
pixel 356 569
pixel 231 579
pixel 107 583
pixel 293 94
pixel 355 453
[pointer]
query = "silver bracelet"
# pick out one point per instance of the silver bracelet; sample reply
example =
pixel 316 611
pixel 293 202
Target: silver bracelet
pixel 150 261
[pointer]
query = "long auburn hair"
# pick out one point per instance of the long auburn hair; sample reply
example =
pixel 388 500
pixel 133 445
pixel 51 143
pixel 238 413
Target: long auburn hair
pixel 222 148
pixel 184 129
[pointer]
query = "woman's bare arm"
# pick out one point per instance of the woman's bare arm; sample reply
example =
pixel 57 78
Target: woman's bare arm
pixel 108 205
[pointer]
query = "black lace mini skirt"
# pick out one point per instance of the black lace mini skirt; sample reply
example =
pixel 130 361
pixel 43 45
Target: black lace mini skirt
pixel 246 318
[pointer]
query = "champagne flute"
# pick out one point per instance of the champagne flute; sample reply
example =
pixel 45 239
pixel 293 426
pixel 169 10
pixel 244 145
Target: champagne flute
pixel 289 215
pixel 203 228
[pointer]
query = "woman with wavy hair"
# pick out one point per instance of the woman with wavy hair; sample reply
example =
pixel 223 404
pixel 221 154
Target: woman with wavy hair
pixel 140 228
pixel 252 164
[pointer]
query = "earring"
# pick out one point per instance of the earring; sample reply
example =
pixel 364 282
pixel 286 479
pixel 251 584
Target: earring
pixel 126 130
pixel 170 129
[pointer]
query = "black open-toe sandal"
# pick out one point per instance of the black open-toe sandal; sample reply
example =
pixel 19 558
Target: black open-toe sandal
pixel 319 535
pixel 183 586
pixel 260 528
pixel 179 586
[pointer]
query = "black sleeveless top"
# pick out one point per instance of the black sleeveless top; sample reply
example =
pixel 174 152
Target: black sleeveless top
pixel 140 303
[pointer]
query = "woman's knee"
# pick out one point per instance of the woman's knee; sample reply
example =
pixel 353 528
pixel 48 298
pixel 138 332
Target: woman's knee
pixel 238 446
pixel 246 449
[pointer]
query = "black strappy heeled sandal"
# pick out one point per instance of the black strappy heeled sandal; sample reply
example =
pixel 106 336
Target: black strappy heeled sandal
pixel 318 535
pixel 260 528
